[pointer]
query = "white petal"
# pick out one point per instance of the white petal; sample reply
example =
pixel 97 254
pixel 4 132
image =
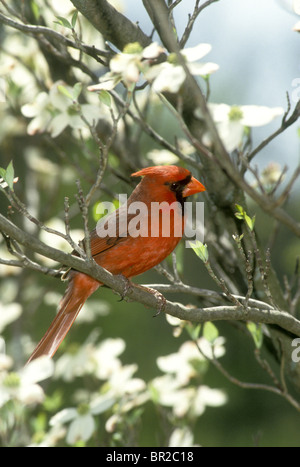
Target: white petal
pixel 75 121
pixel 169 363
pixel 216 350
pixel 296 6
pixel 9 313
pixel 131 74
pixel 57 98
pixel 101 404
pixel 173 321
pixel 203 69
pixel 259 115
pixel 181 437
pixel 120 62
pixel 231 133
pixel 219 112
pixel 107 85
pixel 196 53
pixel 297 26
pixel 4 396
pixel 112 347
pixel 161 157
pixel 58 124
pixel 134 385
pixel 31 110
pixel 37 370
pixel 32 394
pixel 183 405
pixel 154 71
pixel 64 416
pixel 189 352
pixel 6 362
pixel 152 51
pixel 211 397
pixel 39 124
pixel 81 429
pixel 112 423
pixel 291 5
pixel 169 79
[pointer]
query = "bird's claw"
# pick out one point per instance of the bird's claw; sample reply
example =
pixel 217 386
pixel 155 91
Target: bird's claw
pixel 161 303
pixel 161 300
pixel 127 286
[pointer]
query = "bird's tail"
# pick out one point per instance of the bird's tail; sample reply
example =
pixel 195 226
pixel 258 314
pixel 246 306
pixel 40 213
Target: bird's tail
pixel 79 289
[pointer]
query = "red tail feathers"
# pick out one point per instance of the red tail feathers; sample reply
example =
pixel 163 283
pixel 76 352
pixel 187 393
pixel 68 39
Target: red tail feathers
pixel 79 289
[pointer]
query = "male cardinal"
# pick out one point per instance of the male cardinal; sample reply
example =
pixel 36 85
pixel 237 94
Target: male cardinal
pixel 124 250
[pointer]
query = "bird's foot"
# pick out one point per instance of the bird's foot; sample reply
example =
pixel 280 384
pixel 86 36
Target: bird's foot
pixel 126 286
pixel 161 300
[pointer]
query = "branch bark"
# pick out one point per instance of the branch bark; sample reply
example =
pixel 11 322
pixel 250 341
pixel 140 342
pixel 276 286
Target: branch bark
pixel 114 26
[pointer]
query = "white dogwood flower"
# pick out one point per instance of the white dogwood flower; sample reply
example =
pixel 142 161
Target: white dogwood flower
pixel 169 76
pixel 81 419
pixel 127 66
pixel 231 121
pixel 22 385
pixel 56 110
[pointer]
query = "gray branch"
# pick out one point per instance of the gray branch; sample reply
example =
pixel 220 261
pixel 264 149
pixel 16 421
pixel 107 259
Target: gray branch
pixel 142 295
pixel 114 26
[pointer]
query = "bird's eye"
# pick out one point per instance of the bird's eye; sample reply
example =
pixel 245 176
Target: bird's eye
pixel 174 186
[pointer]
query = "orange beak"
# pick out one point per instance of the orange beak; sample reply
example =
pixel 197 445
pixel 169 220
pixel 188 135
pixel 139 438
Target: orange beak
pixel 193 187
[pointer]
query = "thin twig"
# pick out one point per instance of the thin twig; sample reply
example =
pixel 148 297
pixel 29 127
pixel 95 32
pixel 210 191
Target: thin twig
pixel 192 19
pixel 286 123
pixel 35 30
pixel 245 385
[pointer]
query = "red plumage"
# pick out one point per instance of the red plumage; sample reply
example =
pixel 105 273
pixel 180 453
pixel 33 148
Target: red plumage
pixel 123 253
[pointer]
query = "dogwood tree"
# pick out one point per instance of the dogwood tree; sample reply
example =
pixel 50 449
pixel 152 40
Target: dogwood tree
pixel 82 87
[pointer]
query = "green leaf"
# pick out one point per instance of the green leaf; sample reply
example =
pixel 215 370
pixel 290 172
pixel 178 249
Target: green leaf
pixel 63 90
pixel 2 173
pixel 201 250
pixel 193 330
pixel 250 222
pixel 77 88
pixel 35 10
pixel 63 22
pixel 240 209
pixel 242 214
pixel 74 18
pixel 105 97
pixel 8 175
pixel 210 331
pixel 256 332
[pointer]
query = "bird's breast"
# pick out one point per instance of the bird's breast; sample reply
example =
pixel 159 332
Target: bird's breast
pixel 152 234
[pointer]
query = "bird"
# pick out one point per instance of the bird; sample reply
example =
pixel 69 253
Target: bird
pixel 128 241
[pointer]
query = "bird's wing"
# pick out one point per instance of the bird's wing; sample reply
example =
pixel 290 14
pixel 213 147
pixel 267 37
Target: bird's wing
pixel 110 231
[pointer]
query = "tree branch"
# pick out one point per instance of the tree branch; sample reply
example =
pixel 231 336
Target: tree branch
pixel 141 295
pixel 34 30
pixel 114 26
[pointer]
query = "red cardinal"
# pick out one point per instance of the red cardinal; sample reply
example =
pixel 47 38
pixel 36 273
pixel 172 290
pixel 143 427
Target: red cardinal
pixel 128 243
